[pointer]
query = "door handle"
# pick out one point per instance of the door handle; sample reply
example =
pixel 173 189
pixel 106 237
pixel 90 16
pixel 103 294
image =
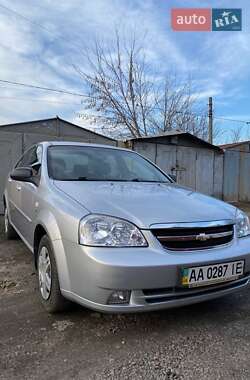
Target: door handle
pixel 18 187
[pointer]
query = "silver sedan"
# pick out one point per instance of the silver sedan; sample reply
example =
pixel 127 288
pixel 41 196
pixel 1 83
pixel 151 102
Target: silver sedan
pixel 111 231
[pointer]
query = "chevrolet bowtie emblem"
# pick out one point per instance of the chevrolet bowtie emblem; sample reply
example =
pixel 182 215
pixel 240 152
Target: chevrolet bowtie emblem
pixel 202 237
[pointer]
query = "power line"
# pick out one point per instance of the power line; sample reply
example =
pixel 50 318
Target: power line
pixel 37 24
pixel 234 120
pixel 44 88
pixel 24 17
pixel 61 91
pixel 27 19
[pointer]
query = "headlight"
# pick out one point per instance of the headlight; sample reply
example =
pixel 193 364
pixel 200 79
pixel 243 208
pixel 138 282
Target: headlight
pixel 242 224
pixel 106 231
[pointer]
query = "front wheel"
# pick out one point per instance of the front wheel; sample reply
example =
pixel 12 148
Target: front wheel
pixel 48 282
pixel 9 231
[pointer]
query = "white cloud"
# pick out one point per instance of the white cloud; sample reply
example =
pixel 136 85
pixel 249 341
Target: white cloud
pixel 28 53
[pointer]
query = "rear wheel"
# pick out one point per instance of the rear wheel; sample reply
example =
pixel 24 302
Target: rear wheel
pixel 9 231
pixel 48 282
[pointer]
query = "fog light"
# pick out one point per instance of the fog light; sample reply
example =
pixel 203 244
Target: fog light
pixel 119 297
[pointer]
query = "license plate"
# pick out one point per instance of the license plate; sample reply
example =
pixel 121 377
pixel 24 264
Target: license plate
pixel 211 274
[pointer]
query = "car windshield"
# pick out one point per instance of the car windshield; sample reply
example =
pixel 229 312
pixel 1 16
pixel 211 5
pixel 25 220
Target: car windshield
pixel 85 163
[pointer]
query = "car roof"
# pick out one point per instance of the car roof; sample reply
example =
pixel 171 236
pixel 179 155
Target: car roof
pixel 70 143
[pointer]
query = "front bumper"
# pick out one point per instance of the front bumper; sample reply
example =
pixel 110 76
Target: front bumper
pixel 139 302
pixel 152 274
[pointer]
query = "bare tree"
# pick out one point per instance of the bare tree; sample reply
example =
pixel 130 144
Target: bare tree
pixel 219 133
pixel 127 99
pixel 236 134
pixel 175 107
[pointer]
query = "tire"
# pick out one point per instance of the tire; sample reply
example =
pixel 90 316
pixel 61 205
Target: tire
pixel 48 282
pixel 9 231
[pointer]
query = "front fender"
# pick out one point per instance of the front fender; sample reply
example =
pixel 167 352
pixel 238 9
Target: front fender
pixel 48 221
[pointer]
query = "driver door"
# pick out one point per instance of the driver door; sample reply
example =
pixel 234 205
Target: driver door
pixel 26 194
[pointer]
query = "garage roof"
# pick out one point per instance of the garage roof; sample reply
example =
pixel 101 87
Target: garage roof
pixel 232 145
pixel 53 119
pixel 186 135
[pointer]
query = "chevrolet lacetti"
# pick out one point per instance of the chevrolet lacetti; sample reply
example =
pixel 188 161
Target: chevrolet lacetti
pixel 111 231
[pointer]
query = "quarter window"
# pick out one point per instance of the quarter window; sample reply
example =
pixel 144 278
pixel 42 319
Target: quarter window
pixel 31 157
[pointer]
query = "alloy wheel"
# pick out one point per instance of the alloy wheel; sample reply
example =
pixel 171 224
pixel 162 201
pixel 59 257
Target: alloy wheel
pixel 44 273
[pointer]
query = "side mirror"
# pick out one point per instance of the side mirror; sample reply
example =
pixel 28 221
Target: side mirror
pixel 173 177
pixel 21 174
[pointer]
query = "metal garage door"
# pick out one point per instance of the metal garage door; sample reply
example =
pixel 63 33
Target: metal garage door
pixel 204 171
pixel 197 168
pixel 166 158
pixel 186 166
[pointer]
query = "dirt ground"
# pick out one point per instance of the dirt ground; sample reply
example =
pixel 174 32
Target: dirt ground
pixel 206 341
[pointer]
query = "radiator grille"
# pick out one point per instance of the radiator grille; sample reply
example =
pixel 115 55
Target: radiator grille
pixel 186 238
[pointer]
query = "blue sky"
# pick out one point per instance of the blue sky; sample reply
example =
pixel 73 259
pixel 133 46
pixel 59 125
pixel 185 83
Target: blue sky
pixel 217 62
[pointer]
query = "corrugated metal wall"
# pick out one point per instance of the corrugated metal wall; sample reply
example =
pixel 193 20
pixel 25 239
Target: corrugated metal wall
pixel 195 167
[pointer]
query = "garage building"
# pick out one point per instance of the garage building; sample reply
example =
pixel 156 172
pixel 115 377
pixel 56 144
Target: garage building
pixel 16 138
pixel 194 162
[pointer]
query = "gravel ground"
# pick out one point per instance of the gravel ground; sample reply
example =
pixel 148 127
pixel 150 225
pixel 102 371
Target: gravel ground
pixel 206 341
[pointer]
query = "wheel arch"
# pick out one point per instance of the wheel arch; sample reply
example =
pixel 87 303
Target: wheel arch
pixel 39 232
pixel 47 225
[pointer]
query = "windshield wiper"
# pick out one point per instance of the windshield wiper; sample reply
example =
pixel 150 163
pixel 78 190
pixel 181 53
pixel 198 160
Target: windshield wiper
pixel 108 180
pixel 105 179
pixel 72 179
pixel 96 179
pixel 102 179
pixel 144 180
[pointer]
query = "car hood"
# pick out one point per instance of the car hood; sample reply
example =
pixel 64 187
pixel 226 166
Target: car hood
pixel 147 203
